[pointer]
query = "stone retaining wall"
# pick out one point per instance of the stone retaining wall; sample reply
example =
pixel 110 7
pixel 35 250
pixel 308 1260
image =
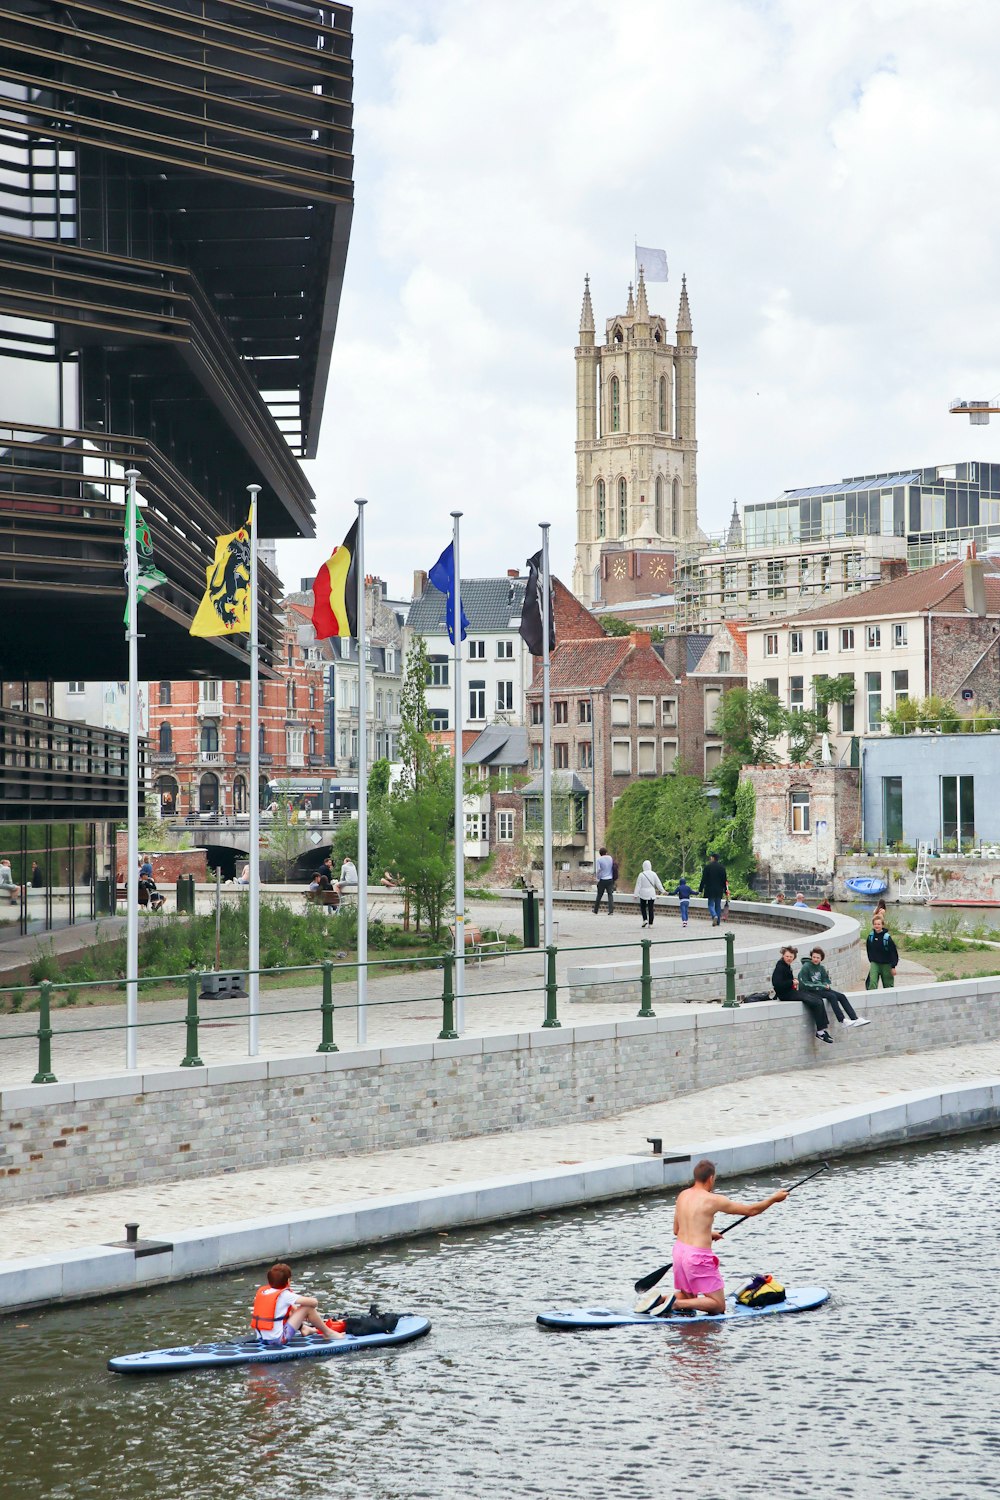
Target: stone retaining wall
pixel 159 1127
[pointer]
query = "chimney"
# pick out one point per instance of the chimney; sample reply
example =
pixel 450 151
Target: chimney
pixel 640 638
pixel 974 584
pixel 513 573
pixel 419 583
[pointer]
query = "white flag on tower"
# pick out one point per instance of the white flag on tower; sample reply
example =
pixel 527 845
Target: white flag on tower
pixel 653 263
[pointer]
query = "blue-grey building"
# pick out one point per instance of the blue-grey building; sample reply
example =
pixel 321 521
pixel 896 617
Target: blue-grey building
pixel 943 789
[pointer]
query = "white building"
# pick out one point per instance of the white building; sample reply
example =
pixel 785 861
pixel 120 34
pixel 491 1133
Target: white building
pixel 496 664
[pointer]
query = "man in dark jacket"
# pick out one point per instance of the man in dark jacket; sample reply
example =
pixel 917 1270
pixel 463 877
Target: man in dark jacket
pixel 883 955
pixel 714 887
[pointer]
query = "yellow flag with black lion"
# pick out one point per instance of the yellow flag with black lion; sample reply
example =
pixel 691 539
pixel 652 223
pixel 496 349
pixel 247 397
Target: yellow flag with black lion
pixel 225 609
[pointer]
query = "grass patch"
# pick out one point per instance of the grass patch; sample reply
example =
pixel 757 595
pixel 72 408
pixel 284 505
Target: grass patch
pixel 969 965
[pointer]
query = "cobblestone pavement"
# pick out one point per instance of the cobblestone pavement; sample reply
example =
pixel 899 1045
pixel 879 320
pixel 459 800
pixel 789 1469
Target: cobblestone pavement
pixel 753 1105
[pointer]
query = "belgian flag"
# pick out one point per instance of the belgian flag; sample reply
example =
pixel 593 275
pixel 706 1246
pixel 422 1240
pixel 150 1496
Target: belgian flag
pixel 335 591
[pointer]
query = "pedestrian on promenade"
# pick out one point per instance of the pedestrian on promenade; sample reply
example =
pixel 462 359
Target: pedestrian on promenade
pixel 647 888
pixel 824 905
pixel 883 956
pixel 714 887
pixel 279 1313
pixel 785 987
pixel 800 901
pixel 605 872
pixel 683 894
pixel 814 979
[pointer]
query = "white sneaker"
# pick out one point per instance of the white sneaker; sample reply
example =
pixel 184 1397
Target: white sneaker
pixel 860 1021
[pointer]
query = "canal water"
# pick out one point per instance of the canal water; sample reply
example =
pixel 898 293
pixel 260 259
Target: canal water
pixel 892 1390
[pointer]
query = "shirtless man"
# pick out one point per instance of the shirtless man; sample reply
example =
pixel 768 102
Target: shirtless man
pixel 698 1284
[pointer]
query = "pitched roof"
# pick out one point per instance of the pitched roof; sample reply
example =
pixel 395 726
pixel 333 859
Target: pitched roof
pixel 939 588
pixel 738 634
pixel 577 666
pixel 563 782
pixel 695 647
pixel 489 604
pixel 498 745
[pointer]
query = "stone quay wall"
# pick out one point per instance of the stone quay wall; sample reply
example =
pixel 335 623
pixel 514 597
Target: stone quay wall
pixel 160 1127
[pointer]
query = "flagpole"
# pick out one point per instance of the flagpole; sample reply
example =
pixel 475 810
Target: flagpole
pixel 546 737
pixel 132 874
pixel 253 891
pixel 362 1031
pixel 459 788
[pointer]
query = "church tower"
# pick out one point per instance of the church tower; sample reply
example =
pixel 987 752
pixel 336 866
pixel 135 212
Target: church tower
pixel 636 485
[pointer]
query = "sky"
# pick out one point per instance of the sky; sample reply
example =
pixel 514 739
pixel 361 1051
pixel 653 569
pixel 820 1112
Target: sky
pixel 824 174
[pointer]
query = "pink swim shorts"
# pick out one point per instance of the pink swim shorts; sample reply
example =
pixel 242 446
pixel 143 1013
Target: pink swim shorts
pixel 696 1271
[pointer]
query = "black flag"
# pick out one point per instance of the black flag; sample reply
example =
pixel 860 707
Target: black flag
pixel 531 614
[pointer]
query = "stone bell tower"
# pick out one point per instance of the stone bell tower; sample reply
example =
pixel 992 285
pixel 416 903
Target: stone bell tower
pixel 636 485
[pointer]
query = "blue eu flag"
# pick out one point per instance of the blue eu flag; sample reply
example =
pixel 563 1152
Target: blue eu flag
pixel 442 575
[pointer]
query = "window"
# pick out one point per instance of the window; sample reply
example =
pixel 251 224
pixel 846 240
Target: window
pixel 262 739
pixel 847 638
pixel 290 695
pixel 821 641
pixel 616 415
pixel 260 695
pixel 847 716
pixel 725 661
pixel 77 687
pixel 621 711
pixel 210 692
pixel 900 687
pixel 437 671
pixel 713 697
pixel 958 810
pixel 505 827
pixel 312 699
pixel 675 507
pixel 505 697
pixel 770 645
pixel 796 694
pixel 237 692
pixel 477 700
pixel 899 635
pixel 668 712
pixel 438 718
pixel 795 642
pixel 776 579
pixel 646 757
pixel 560 755
pixel 378 703
pixel 166 739
pixel 586 755
pixel 583 713
pixel 475 827
pixel 713 758
pixel 537 713
pixel 560 712
pixel 536 757
pixel 602 510
pixel 290 652
pixel 658 507
pixel 645 711
pixel 504 778
pixel 873 691
pixel 295 746
pixel 621 757
pixel 873 637
pixel 477 650
pixel 771 686
pixel 668 753
pixel 662 413
pixel 892 809
pixel 799 812
pixel 209 740
pixel 622 508
pixel 505 650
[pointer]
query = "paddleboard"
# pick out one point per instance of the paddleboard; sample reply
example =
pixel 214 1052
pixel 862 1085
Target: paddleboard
pixel 797 1299
pixel 253 1351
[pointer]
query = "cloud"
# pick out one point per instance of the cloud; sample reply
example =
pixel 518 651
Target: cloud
pixel 824 174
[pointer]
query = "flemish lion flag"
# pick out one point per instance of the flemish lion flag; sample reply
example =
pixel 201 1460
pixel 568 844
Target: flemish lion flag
pixel 147 576
pixel 225 609
pixel 335 591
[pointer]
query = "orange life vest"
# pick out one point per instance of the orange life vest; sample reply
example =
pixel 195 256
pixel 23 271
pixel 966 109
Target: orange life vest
pixel 262 1318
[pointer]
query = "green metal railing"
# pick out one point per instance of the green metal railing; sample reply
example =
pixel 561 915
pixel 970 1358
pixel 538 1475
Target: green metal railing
pixel 193 1016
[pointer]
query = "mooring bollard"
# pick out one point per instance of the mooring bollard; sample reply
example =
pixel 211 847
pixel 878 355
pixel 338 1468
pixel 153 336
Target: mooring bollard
pixel 191 1058
pixel 646 1010
pixel 448 1032
pixel 327 1044
pixel 45 1073
pixel 730 999
pixel 551 987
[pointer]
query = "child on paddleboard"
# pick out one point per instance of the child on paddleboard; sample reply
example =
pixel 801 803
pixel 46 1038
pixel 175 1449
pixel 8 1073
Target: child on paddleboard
pixel 279 1313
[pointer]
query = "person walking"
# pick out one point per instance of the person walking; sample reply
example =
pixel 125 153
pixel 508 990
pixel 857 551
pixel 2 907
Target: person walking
pixel 683 894
pixel 605 872
pixel 714 887
pixel 785 987
pixel 883 956
pixel 647 888
pixel 814 979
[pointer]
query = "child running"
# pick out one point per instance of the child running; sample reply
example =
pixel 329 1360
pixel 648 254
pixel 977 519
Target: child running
pixel 683 892
pixel 279 1313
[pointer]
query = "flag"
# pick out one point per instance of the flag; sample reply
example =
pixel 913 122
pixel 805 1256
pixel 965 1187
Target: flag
pixel 652 262
pixel 147 576
pixel 225 609
pixel 335 591
pixel 442 575
pixel 533 610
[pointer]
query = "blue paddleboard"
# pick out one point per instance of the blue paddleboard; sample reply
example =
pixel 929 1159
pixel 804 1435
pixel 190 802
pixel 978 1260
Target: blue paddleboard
pixel 797 1299
pixel 253 1351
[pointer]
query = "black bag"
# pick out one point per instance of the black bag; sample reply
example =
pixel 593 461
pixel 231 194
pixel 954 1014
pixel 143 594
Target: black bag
pixel 373 1321
pixel 759 997
pixel 614 869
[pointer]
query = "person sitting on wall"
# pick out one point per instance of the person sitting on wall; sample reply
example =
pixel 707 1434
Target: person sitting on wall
pixel 37 878
pixel 785 987
pixel 814 979
pixel 149 895
pixel 7 886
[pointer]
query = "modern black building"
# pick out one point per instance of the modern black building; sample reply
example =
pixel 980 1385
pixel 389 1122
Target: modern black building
pixel 175 206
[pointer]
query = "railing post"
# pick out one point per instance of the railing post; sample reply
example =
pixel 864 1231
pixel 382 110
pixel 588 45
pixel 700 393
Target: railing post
pixel 327 1044
pixel 448 1032
pixel 551 987
pixel 45 1073
pixel 646 1010
pixel 191 1058
pixel 730 999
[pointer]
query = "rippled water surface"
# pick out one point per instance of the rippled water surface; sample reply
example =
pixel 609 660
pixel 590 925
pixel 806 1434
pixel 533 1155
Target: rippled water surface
pixel 892 1390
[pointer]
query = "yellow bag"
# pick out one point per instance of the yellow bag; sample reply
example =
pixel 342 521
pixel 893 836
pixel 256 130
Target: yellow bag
pixel 761 1291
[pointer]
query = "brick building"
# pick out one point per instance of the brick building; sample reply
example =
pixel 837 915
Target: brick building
pixel 721 664
pixel 497 763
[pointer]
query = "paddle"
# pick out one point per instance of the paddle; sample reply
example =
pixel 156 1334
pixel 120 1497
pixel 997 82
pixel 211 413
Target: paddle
pixel 646 1282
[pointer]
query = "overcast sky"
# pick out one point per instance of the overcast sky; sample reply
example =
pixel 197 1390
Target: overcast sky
pixel 826 175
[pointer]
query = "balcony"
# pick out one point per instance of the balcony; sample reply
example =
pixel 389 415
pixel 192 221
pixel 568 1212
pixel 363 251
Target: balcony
pixel 54 770
pixel 162 758
pixel 209 708
pixel 211 758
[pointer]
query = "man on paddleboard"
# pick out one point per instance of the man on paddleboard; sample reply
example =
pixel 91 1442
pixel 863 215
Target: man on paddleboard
pixel 698 1283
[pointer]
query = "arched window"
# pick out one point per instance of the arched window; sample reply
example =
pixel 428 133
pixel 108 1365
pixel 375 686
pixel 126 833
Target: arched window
pixel 659 502
pixel 165 694
pixel 209 738
pixel 262 740
pixel 312 742
pixel 602 510
pixel 675 508
pixel 615 404
pixel 240 804
pixel 208 793
pixel 663 405
pixel 166 739
pixel 291 697
pixel 239 739
pixel 622 507
pixel 167 788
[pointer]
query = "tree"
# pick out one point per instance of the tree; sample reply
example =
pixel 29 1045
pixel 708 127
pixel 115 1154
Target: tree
pixel 749 720
pixel 668 821
pixel 282 837
pixel 733 842
pixel 803 726
pixel 613 626
pixel 419 838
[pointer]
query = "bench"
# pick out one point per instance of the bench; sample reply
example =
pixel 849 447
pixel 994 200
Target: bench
pixel 485 943
pixel 323 898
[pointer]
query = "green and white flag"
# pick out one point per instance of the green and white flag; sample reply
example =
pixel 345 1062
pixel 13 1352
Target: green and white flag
pixel 148 577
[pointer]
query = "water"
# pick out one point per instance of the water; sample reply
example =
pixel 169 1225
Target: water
pixel 889 1391
pixel 964 919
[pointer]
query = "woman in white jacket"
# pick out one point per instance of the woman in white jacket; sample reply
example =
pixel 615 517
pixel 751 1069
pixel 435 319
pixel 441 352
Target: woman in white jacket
pixel 647 888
